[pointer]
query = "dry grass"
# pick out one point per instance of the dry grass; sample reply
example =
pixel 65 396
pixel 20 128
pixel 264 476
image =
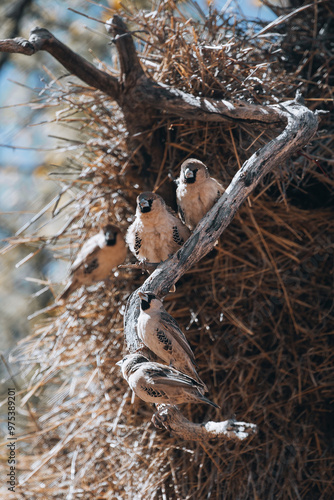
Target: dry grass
pixel 257 310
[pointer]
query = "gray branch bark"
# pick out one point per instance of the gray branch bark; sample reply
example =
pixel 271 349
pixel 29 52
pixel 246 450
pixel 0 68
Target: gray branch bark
pixel 172 419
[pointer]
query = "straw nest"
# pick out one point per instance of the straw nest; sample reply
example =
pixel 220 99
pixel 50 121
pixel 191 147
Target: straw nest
pixel 256 310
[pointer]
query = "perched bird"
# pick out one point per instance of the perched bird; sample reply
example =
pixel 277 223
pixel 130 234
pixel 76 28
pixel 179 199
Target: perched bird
pixel 160 384
pixel 160 332
pixel 196 192
pixel 156 232
pixel 96 259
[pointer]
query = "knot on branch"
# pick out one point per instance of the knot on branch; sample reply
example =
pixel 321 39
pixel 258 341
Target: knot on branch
pixel 39 37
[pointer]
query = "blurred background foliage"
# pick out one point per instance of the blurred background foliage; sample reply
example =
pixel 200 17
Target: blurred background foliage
pixel 33 144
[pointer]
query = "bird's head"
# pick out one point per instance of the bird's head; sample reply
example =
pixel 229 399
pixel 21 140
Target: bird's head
pixel 193 170
pixel 148 300
pixel 110 233
pixel 130 363
pixel 149 202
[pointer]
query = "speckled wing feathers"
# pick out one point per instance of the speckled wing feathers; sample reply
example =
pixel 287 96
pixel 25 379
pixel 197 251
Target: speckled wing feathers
pixel 90 249
pixel 167 377
pixel 169 323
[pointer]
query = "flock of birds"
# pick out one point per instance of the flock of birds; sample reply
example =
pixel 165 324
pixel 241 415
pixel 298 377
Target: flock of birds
pixel 155 234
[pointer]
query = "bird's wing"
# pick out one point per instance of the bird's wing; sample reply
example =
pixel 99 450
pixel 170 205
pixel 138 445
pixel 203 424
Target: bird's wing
pixel 169 324
pixel 137 244
pixel 171 211
pixel 220 189
pixel 181 214
pixel 176 236
pixel 163 375
pixel 89 251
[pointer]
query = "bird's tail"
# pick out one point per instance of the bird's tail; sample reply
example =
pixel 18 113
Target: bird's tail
pixel 208 401
pixel 193 373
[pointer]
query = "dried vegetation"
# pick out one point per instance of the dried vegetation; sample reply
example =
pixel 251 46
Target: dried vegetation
pixel 257 310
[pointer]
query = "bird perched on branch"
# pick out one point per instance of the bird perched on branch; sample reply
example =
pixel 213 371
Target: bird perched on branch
pixel 160 384
pixel 156 232
pixel 161 333
pixel 97 257
pixel 196 192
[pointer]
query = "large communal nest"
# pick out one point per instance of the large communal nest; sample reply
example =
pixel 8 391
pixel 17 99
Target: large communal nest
pixel 257 310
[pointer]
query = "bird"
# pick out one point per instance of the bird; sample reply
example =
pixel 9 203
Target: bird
pixel 159 331
pixel 196 192
pixel 160 384
pixel 156 232
pixel 95 260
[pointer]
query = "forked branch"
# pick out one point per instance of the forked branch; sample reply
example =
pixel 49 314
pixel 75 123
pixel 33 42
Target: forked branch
pixel 140 96
pixel 136 88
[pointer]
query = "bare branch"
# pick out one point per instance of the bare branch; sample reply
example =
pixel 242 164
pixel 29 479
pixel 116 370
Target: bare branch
pixel 42 39
pixel 178 103
pixel 172 419
pixel 301 126
pixel 17 46
pixel 131 68
pixel 139 90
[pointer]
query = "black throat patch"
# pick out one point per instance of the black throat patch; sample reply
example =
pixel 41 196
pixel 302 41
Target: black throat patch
pixel 191 180
pixel 111 241
pixel 145 210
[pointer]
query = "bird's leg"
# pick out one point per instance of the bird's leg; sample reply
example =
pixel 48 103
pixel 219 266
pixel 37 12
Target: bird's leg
pixel 144 265
pixel 159 418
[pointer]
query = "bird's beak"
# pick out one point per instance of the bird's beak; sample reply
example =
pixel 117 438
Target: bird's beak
pixel 119 363
pixel 142 295
pixel 144 204
pixel 189 174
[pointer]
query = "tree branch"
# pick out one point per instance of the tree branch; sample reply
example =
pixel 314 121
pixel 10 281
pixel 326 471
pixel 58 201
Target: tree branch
pixel 301 126
pixel 131 68
pixel 15 13
pixel 42 39
pixel 178 103
pixel 172 419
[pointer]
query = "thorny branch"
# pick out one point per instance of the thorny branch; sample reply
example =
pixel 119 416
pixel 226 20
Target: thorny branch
pixel 301 126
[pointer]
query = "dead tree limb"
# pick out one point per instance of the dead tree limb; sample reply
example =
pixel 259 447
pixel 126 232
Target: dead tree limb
pixel 301 126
